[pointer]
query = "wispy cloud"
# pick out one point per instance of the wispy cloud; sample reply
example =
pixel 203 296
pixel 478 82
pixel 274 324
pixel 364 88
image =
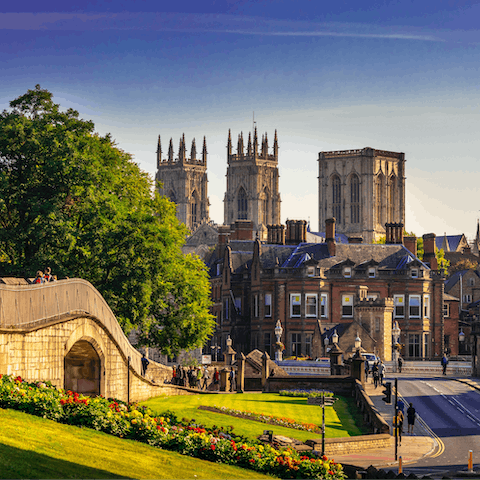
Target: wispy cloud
pixel 198 23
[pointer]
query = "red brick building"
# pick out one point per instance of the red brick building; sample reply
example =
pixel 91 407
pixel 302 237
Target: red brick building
pixel 311 286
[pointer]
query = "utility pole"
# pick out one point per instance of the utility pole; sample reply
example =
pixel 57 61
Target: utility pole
pixel 395 421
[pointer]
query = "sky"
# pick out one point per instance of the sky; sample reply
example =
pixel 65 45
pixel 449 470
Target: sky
pixel 392 75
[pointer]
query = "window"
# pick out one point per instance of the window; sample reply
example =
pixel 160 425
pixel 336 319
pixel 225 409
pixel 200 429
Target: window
pixel 267 342
pixel 355 199
pixel 347 272
pixel 323 305
pixel 471 282
pixel 347 305
pixel 391 198
pixel 296 344
pixel 414 304
pixel 446 310
pixel 225 308
pixel 426 343
pixel 399 301
pixel 371 272
pixel 414 345
pixel 377 324
pixel 426 306
pixel 238 305
pixel 308 344
pixel 219 269
pixel 311 305
pixel 295 304
pixel 242 204
pixel 337 198
pixel 311 271
pixel 467 298
pixel 414 272
pixel 255 306
pixel 380 182
pixel 268 305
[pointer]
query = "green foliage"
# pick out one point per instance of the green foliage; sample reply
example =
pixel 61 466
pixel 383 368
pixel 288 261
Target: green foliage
pixel 72 200
pixel 464 264
pixel 381 241
pixel 442 262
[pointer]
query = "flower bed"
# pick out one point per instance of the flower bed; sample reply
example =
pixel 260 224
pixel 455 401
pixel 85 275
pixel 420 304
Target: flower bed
pixel 165 431
pixel 306 393
pixel 270 419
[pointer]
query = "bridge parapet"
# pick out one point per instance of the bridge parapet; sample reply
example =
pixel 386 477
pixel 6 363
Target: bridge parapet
pixel 25 307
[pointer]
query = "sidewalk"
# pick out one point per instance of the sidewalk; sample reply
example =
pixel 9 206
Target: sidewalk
pixel 412 449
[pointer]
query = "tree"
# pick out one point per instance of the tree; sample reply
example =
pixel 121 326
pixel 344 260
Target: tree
pixel 464 264
pixel 72 200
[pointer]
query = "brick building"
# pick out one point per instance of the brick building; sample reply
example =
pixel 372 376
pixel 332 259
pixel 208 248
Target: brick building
pixel 311 287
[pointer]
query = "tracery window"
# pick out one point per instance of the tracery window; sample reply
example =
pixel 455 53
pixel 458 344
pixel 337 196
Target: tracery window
pixel 355 199
pixel 337 198
pixel 392 191
pixel 242 204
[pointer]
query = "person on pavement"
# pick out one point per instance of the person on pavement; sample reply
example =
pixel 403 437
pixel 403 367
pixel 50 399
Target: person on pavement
pixel 381 372
pixel 444 364
pixel 410 419
pixel 400 363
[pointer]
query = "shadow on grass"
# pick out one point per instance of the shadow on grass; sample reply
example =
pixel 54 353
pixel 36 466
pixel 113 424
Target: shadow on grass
pixel 18 463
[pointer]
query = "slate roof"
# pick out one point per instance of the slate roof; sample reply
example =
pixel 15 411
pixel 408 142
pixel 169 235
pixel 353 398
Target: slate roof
pixel 339 237
pixel 454 278
pixel 453 241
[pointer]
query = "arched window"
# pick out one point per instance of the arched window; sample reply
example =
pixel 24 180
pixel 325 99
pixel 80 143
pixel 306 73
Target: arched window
pixel 242 204
pixel 380 184
pixel 337 198
pixel 265 204
pixel 392 193
pixel 194 208
pixel 355 199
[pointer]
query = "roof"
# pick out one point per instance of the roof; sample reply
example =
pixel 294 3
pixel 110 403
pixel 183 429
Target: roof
pixel 453 242
pixel 455 277
pixel 450 298
pixel 339 237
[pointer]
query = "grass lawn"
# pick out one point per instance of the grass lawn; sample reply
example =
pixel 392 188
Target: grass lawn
pixel 341 420
pixel 32 447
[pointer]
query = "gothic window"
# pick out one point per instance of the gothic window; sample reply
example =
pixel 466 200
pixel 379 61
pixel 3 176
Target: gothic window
pixel 264 199
pixel 392 191
pixel 242 204
pixel 380 182
pixel 194 210
pixel 355 199
pixel 337 198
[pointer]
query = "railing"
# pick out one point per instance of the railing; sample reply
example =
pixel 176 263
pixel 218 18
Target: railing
pixel 30 306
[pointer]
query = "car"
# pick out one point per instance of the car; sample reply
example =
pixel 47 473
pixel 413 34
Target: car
pixel 371 358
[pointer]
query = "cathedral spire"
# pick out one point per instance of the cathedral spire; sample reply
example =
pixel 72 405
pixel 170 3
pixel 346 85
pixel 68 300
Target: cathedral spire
pixel 262 150
pixel 182 149
pixel 193 151
pixel 159 152
pixel 229 143
pixel 275 145
pixel 266 144
pixel 249 146
pixel 255 143
pixel 170 151
pixel 204 151
pixel 240 145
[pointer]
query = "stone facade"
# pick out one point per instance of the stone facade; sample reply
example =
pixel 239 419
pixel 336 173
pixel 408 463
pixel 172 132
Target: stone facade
pixel 252 184
pixel 362 189
pixel 184 181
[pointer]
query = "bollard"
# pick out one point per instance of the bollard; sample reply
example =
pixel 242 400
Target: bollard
pixel 400 464
pixel 470 461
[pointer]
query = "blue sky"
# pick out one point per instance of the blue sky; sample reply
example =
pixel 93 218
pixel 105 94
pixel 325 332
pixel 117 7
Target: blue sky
pixel 400 76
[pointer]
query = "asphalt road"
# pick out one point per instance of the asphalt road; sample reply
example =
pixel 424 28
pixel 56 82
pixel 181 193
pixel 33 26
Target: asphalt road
pixel 452 412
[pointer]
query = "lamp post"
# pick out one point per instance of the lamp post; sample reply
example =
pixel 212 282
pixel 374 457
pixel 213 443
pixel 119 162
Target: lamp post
pixel 325 345
pixel 358 345
pixel 215 349
pixel 396 344
pixel 335 337
pixel 461 341
pixel 278 346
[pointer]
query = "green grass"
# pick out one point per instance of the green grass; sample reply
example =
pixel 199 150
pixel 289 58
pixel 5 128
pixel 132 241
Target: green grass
pixel 32 447
pixel 340 420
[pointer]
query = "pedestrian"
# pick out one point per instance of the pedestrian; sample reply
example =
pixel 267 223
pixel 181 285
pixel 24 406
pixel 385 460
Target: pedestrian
pixel 206 378
pixel 39 277
pixel 145 363
pixel 400 363
pixel 232 380
pixel 398 425
pixel 174 375
pixel 410 419
pixel 216 379
pixel 444 362
pixel 401 406
pixel 376 375
pixel 366 370
pixel 199 377
pixel 47 277
pixel 381 372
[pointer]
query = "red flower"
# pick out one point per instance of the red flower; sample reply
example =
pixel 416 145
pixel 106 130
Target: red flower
pixel 252 460
pixel 212 447
pixel 324 458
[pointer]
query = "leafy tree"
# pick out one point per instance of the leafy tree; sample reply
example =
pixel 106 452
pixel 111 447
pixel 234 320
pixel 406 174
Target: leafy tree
pixel 72 200
pixel 464 264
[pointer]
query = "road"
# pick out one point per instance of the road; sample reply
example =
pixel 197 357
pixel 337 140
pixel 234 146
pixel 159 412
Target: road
pixel 452 411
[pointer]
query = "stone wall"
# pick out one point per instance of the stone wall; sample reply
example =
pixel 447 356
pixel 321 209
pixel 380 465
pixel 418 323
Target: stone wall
pixel 349 445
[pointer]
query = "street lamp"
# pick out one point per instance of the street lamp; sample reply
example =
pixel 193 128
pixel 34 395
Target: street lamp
pixel 461 340
pixel 396 345
pixel 358 344
pixel 278 346
pixel 325 344
pixel 335 337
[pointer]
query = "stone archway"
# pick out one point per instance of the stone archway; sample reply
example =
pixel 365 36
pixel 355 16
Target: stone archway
pixel 83 369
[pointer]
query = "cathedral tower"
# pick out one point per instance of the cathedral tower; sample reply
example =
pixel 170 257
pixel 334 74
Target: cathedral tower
pixel 362 189
pixel 252 183
pixel 184 181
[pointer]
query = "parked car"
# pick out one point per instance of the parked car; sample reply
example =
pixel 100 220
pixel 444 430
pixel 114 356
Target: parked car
pixel 371 358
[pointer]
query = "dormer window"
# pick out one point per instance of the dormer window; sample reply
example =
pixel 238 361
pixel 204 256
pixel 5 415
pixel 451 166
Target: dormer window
pixel 414 272
pixel 311 271
pixel 347 272
pixel 371 272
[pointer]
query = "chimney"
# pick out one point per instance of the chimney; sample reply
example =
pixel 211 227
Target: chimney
pixel 388 233
pixel 429 250
pixel 411 244
pixel 467 249
pixel 399 233
pixel 355 239
pixel 223 235
pixel 242 230
pixel 276 234
pixel 296 232
pixel 330 236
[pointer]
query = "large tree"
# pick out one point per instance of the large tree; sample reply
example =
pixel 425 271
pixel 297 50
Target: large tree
pixel 72 200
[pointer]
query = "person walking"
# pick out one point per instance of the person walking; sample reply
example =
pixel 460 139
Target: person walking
pixel 216 379
pixel 381 372
pixel 206 378
pixel 232 380
pixel 444 362
pixel 199 377
pixel 366 371
pixel 400 364
pixel 398 425
pixel 145 363
pixel 376 375
pixel 410 419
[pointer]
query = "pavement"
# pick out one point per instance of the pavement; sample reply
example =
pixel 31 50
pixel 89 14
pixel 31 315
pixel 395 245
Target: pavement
pixel 413 447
